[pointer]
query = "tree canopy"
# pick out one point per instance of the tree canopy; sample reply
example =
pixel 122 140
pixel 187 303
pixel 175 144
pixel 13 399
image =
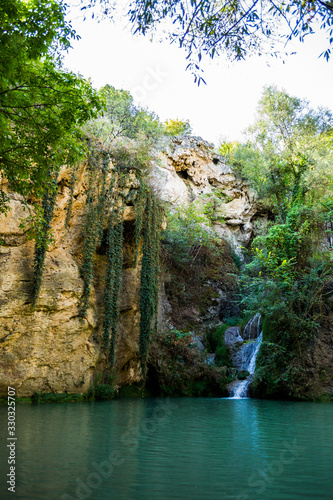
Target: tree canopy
pixel 126 119
pixel 121 118
pixel 41 105
pixel 177 127
pixel 288 156
pixel 236 28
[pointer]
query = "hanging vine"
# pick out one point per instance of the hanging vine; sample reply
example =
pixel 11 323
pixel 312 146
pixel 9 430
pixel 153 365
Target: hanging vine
pixel 104 198
pixel 94 223
pixel 113 279
pixel 149 286
pixel 139 210
pixel 71 195
pixel 43 238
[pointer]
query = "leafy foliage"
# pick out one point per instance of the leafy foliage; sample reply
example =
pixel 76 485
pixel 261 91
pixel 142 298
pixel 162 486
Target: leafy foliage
pixel 177 127
pixel 237 29
pixel 111 137
pixel 286 281
pixel 94 223
pixel 216 344
pixel 179 369
pixel 102 198
pixel 41 106
pixel 71 194
pixel 190 228
pixel 121 118
pixel 149 286
pixel 180 344
pixel 291 264
pixel 41 109
pixel 113 280
pixel 131 155
pixel 288 157
pixel 20 20
pixel 103 392
pixel 42 243
pixel 197 262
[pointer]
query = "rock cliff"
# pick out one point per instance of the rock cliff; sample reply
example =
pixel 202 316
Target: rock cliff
pixel 51 349
pixel 191 168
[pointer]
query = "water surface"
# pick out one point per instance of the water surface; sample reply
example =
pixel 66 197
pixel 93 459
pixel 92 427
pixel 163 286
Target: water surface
pixel 186 448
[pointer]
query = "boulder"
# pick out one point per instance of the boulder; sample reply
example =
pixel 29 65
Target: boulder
pixel 232 336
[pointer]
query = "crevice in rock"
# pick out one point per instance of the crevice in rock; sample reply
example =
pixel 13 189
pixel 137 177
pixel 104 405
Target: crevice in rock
pixel 183 174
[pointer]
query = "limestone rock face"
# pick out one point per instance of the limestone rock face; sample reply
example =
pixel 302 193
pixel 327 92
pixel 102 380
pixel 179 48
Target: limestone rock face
pixel 51 349
pixel 189 168
pixel 232 336
pixel 167 184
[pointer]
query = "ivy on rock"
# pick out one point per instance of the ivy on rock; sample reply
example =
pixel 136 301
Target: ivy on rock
pixel 113 279
pixel 149 274
pixel 104 208
pixel 95 216
pixel 42 237
pixel 107 193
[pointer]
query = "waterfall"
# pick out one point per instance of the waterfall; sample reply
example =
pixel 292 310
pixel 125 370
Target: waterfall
pixel 245 357
pixel 252 329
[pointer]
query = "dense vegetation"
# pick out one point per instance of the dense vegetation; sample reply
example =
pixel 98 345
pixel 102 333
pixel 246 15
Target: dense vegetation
pixel 41 105
pixel 198 263
pixel 42 108
pixel 288 160
pixel 120 142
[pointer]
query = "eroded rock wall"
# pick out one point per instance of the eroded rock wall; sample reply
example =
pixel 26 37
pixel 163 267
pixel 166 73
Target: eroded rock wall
pixel 189 168
pixel 51 349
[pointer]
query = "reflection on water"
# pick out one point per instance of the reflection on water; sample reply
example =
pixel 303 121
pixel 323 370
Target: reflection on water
pixel 172 449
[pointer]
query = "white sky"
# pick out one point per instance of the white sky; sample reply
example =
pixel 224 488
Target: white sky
pixel 155 75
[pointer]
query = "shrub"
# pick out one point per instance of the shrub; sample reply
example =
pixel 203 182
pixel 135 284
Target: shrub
pixel 216 344
pixel 232 321
pixel 103 391
pixel 242 374
pixel 222 355
pixel 36 397
pixel 180 344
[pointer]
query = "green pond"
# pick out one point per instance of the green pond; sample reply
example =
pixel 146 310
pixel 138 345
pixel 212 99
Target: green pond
pixel 142 449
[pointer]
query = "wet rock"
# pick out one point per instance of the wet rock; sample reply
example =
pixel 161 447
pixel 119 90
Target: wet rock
pixel 232 336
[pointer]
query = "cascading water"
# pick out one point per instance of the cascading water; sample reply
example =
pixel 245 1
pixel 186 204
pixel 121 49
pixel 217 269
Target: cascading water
pixel 245 357
pixel 252 329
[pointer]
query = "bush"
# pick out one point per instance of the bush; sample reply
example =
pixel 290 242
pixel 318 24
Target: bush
pixel 103 391
pixel 180 344
pixel 189 228
pixel 222 356
pixel 214 336
pixel 232 321
pixel 242 374
pixel 216 343
pixel 127 155
pixel 36 397
pixel 177 127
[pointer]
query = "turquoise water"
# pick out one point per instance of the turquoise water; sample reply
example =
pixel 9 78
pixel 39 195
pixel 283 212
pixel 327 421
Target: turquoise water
pixel 183 448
